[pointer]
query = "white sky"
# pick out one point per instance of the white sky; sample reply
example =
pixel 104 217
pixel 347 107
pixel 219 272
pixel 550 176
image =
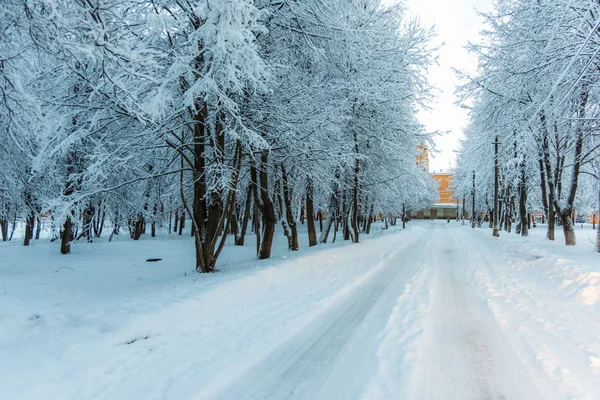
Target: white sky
pixel 456 23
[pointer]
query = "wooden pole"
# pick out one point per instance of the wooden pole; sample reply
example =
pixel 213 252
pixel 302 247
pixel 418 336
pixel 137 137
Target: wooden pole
pixel 496 173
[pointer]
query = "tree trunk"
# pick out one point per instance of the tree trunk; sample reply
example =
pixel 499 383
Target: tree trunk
pixel 4 228
pixel 230 204
pixel 267 210
pixel 550 181
pixel 568 228
pixel 176 220
pixel 181 223
pixel 494 215
pixel 523 203
pixel 289 213
pixel 310 220
pixel 565 214
pixel 216 210
pixel 345 225
pixel 96 220
pixel 509 210
pixel 320 218
pixel 280 210
pixel 256 225
pixel 246 218
pixel 67 236
pixel 14 227
pixel 99 226
pixel 116 227
pixel 328 223
pixel 277 194
pixel 355 204
pixel 362 222
pixel 235 227
pixel 154 217
pixel 29 222
pixel 138 227
pixel 198 212
pixel 547 177
pixel 333 210
pixel 551 220
pixel 38 228
pixel 369 219
pixel 88 216
pixel 335 229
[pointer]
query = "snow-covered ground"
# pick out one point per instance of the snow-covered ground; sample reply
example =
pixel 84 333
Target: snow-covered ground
pixel 437 311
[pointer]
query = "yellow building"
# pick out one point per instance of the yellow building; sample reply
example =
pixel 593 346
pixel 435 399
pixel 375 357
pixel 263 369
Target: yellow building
pixel 446 205
pixel 446 196
pixel 423 157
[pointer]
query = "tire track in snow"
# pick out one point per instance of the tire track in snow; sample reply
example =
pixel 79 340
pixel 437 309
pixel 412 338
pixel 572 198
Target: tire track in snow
pixel 333 356
pixel 396 352
pixel 462 354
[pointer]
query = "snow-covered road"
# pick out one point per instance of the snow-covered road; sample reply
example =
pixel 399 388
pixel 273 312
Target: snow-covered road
pixel 439 311
pixel 459 351
pixel 442 318
pixel 463 353
pixel 334 355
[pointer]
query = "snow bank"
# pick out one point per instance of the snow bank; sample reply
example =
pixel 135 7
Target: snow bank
pixel 573 271
pixel 545 298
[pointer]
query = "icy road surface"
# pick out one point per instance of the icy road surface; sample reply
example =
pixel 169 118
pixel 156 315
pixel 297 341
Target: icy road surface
pixel 439 311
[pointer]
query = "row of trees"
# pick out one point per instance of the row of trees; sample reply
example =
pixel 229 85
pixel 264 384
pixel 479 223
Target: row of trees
pixel 536 93
pixel 223 113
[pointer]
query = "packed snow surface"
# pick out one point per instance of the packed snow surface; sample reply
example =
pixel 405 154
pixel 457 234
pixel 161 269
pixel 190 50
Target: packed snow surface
pixel 436 311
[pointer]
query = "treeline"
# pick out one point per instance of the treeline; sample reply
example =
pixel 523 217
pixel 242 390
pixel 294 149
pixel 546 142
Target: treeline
pixel 534 115
pixel 215 113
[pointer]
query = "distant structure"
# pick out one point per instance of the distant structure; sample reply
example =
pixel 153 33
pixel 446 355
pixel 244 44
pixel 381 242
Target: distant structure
pixel 446 195
pixel 446 205
pixel 423 157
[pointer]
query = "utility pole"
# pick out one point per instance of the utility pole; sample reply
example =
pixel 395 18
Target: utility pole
pixel 496 173
pixel 473 209
pixel 403 216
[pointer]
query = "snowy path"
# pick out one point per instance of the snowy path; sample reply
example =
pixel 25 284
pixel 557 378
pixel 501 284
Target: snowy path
pixel 465 349
pixel 463 354
pixel 332 356
pixel 439 311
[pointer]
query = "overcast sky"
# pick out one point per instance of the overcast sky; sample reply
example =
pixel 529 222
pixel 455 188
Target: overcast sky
pixel 456 22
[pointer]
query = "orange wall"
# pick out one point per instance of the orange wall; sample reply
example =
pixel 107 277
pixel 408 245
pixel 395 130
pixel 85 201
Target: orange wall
pixel 444 191
pixel 423 157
